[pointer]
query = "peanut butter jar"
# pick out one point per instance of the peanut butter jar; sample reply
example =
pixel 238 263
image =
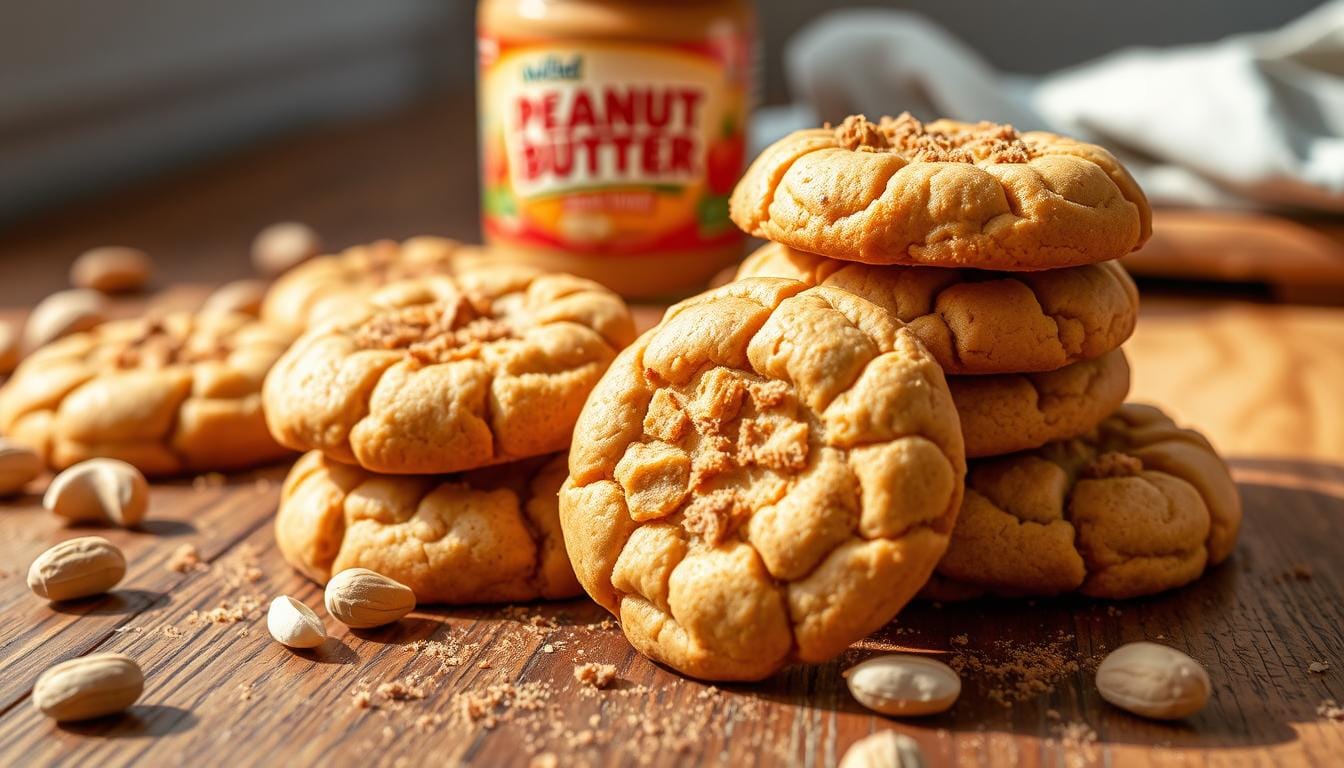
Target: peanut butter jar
pixel 612 133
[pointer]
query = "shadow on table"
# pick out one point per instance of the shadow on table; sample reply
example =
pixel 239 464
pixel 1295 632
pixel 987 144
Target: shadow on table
pixel 140 721
pixel 117 602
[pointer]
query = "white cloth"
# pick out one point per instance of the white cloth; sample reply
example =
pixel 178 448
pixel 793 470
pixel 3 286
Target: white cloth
pixel 1251 121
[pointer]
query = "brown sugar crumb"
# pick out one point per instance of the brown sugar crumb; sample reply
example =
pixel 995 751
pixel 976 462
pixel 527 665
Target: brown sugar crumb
pixel 1113 464
pixel 765 443
pixel 714 458
pixel 857 133
pixel 715 515
pixel 437 333
pixel 228 611
pixel 186 558
pixel 1014 672
pixel 595 675
pixel 1318 667
pixel 449 653
pixel 911 138
pixel 409 688
pixel 159 346
pixel 489 706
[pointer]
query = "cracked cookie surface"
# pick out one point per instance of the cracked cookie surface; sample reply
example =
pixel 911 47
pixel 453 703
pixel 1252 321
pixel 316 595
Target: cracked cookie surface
pixel 325 286
pixel 168 394
pixel 942 194
pixel 1009 412
pixel 1135 507
pixel 485 536
pixel 765 477
pixel 977 322
pixel 449 373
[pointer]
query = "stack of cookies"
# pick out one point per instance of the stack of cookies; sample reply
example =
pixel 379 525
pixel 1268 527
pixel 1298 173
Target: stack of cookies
pixel 778 466
pixel 435 412
pixel 997 250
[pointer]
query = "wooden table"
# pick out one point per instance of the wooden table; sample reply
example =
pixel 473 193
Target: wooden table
pixel 494 686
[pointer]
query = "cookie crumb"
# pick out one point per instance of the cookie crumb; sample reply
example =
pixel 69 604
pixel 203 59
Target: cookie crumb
pixel 1330 710
pixel 1318 667
pixel 228 611
pixel 714 516
pixel 406 689
pixel 185 559
pixel 595 675
pixel 544 760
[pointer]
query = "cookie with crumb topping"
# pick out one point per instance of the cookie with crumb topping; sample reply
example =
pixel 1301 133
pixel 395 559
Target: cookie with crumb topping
pixel 326 285
pixel 169 394
pixel 448 373
pixel 1135 507
pixel 1010 412
pixel 977 322
pixel 765 477
pixel 485 536
pixel 945 194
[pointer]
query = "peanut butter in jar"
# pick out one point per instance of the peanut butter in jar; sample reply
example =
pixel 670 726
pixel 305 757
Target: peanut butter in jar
pixel 612 133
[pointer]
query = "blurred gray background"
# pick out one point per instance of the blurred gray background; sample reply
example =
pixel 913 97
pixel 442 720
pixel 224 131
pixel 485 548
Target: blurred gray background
pixel 93 94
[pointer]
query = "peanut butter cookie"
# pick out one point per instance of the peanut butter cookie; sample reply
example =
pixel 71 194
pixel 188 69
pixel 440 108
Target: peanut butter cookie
pixel 323 286
pixel 765 477
pixel 170 394
pixel 449 373
pixel 485 536
pixel 1136 506
pixel 1010 412
pixel 975 321
pixel 944 194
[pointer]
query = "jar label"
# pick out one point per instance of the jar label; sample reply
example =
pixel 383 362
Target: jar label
pixel 611 148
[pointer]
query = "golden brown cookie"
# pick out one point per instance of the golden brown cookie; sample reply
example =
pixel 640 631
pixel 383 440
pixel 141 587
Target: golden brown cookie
pixel 445 374
pixel 326 285
pixel 975 321
pixel 943 194
pixel 1135 507
pixel 486 536
pixel 765 477
pixel 170 394
pixel 1009 412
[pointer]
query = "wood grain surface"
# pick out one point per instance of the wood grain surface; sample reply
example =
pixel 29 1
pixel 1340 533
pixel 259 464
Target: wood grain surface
pixel 496 685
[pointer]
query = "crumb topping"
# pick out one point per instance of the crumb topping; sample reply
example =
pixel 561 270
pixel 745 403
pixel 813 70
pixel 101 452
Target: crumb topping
pixel 159 346
pixel 906 136
pixel 436 333
pixel 732 438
